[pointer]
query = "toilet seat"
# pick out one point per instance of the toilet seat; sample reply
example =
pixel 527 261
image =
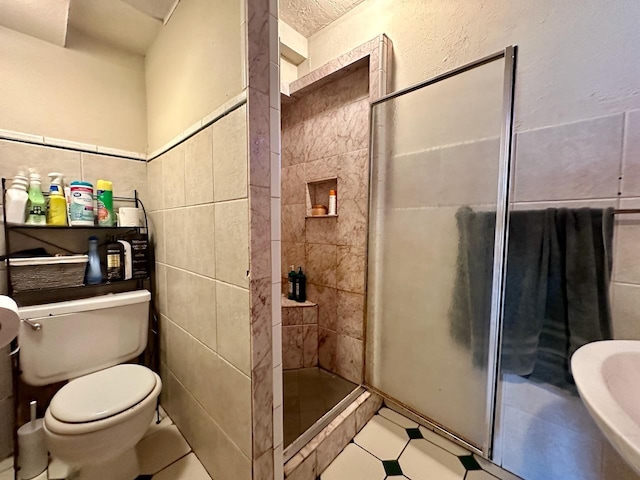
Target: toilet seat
pixel 62 427
pixel 102 394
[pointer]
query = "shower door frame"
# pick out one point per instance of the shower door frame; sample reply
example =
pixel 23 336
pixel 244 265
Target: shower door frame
pixel 509 54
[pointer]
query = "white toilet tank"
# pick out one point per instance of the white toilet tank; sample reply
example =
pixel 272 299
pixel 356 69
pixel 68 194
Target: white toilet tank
pixel 78 337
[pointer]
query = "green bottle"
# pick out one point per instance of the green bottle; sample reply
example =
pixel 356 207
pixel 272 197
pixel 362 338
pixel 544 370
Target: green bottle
pixel 36 206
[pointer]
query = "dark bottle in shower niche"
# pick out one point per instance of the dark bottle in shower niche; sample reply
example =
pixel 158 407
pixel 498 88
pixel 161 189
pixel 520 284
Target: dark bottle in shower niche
pixel 292 283
pixel 300 286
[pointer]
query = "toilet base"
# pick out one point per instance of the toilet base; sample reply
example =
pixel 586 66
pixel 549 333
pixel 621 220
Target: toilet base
pixel 122 467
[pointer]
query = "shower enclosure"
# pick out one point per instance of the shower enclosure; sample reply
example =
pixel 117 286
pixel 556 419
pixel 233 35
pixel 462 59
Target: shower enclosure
pixel 440 157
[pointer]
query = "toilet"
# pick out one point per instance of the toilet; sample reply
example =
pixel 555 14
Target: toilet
pixel 94 422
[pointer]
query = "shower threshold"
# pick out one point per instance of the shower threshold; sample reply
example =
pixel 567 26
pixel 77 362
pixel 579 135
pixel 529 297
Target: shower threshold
pixel 312 398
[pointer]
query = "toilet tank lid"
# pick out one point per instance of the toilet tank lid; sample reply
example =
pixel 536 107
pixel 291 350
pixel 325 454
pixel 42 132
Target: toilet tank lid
pixel 102 394
pixel 86 304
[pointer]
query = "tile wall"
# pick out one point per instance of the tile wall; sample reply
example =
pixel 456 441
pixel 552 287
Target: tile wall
pixel 198 198
pixel 325 135
pixel 299 335
pixel 127 175
pixel 544 432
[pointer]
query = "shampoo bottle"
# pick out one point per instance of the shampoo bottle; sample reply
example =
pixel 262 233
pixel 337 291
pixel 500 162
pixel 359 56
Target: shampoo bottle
pixel 301 286
pixel 17 199
pixel 292 283
pixel 57 209
pixel 37 205
pixel 115 261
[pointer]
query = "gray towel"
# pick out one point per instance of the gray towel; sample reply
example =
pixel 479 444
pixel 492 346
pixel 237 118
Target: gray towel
pixel 558 267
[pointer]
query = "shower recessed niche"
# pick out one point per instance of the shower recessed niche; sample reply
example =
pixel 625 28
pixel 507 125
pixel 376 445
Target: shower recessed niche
pixel 318 194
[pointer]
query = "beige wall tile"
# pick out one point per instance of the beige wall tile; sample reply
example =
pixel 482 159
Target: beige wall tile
pixel 155 184
pixel 327 300
pixel 631 155
pixel 206 365
pixel 353 174
pixel 327 346
pixel 175 241
pixel 161 288
pixel 306 470
pixel 180 359
pixel 310 345
pixel 198 166
pixel 292 316
pixel 626 312
pixel 626 259
pixel 571 161
pixel 232 242
pixel 230 161
pixel 234 342
pixel 353 133
pixel 232 410
pixel 322 169
pixel 173 177
pixel 352 222
pixel 292 254
pixel 320 135
pixel 199 239
pixel 310 316
pixel 292 142
pixel 157 234
pixel 126 175
pixel 335 441
pixel 43 159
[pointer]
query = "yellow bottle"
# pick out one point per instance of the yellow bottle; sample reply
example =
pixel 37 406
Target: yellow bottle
pixel 57 209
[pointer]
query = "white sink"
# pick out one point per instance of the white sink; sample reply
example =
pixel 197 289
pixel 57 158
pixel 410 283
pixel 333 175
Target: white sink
pixel 608 378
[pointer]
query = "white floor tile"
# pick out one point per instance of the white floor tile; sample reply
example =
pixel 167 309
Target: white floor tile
pixel 479 475
pixel 442 442
pixel 162 448
pixel 422 460
pixel 187 468
pixel 6 464
pixel 165 421
pixel 354 464
pixel 395 417
pixel 382 438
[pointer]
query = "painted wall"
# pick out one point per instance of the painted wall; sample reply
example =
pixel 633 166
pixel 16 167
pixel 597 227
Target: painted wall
pixel 127 176
pixel 577 145
pixel 87 92
pixel 194 66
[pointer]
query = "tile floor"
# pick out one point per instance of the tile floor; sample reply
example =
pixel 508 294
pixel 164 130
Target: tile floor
pixel 163 454
pixel 391 447
pixel 309 393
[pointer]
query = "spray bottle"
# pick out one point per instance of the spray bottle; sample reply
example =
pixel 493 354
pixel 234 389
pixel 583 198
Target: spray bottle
pixel 37 207
pixel 57 208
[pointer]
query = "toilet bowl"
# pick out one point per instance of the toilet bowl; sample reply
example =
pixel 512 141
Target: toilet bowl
pixel 100 417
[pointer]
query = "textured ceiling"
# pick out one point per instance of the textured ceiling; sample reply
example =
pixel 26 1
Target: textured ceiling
pixel 309 16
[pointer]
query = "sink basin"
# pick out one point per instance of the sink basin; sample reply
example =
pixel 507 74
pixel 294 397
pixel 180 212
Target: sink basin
pixel 607 375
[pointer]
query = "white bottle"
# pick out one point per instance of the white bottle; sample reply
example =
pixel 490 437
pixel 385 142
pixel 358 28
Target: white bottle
pixel 17 198
pixel 332 203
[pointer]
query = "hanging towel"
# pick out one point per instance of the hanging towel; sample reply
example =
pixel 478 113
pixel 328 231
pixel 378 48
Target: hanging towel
pixel 558 267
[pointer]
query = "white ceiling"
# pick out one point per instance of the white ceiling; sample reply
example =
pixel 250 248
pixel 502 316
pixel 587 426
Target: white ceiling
pixel 116 23
pixel 310 16
pixel 43 19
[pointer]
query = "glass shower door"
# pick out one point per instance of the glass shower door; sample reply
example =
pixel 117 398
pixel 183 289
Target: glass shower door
pixel 440 155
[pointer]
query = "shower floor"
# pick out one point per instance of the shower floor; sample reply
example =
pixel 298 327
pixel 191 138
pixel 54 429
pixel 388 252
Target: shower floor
pixel 309 393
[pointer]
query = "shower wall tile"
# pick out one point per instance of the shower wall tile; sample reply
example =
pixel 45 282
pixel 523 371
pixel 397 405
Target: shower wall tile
pixel 234 341
pixel 321 230
pixel 293 223
pixel 571 161
pixel 310 316
pixel 327 349
pixel 320 137
pixel 292 143
pixel 292 347
pixel 351 263
pixel 327 299
pixel 310 345
pixel 292 316
pixel 292 254
pixel 323 169
pixel 350 314
pixel 353 174
pixel 349 358
pixel 231 246
pixel 293 185
pixel 352 227
pixel 321 264
pixel 353 133
pixel 198 163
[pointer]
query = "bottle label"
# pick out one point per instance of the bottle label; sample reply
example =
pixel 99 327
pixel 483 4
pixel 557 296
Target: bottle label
pixel 290 287
pixel 113 260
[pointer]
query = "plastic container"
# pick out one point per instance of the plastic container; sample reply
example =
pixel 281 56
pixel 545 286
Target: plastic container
pixel 292 283
pixel 104 189
pixel 81 204
pixel 94 271
pixel 37 273
pixel 332 202
pixel 57 209
pixel 17 199
pixel 33 457
pixel 301 286
pixel 37 206
pixel 115 261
